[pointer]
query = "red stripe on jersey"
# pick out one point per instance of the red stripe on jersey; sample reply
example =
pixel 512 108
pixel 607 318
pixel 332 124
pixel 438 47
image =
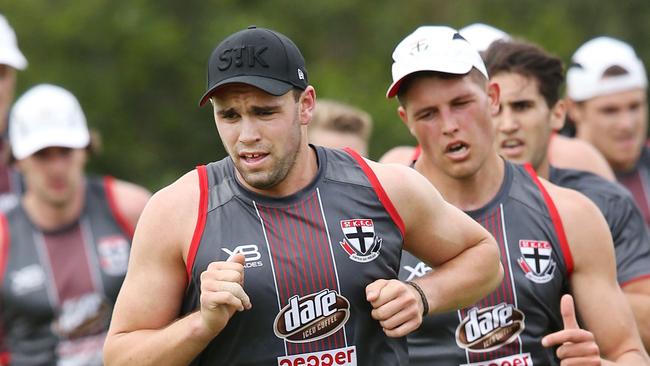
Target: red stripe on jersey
pixel 416 153
pixel 636 279
pixel 634 183
pixel 200 220
pixel 379 190
pixel 122 221
pixel 4 246
pixel 557 221
pixel 62 250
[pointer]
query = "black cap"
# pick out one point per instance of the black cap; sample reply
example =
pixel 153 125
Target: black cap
pixel 259 57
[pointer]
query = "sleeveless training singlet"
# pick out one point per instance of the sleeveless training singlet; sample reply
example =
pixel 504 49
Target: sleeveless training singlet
pixel 626 223
pixel 507 326
pixel 59 287
pixel 637 181
pixel 309 257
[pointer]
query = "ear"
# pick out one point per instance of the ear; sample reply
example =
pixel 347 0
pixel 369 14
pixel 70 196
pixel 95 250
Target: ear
pixel 401 112
pixel 574 110
pixel 558 115
pixel 307 103
pixel 494 93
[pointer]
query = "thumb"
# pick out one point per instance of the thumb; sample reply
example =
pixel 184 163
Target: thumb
pixel 568 312
pixel 237 258
pixel 374 289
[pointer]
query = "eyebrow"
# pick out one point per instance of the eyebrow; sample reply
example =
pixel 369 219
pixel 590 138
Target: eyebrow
pixel 264 109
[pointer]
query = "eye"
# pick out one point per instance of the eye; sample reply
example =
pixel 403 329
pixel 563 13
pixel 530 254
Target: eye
pixel 522 106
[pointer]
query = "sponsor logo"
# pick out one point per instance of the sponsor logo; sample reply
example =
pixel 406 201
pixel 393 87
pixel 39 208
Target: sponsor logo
pixel 419 270
pixel 243 56
pixel 82 316
pixel 360 243
pixel 113 254
pixel 27 279
pixel 335 357
pixel 487 329
pixel 312 317
pixel 522 359
pixel 536 260
pixel 250 252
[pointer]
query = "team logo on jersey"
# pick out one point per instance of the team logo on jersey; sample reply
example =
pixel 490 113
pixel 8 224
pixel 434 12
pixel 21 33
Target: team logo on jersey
pixel 419 270
pixel 27 279
pixel 536 260
pixel 487 329
pixel 312 317
pixel 361 243
pixel 113 254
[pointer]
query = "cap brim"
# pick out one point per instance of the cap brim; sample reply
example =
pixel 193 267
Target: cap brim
pixel 14 59
pixel 271 86
pixel 446 66
pixel 23 149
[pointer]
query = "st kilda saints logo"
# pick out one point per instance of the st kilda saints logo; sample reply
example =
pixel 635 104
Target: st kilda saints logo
pixel 361 243
pixel 536 260
pixel 312 317
pixel 486 329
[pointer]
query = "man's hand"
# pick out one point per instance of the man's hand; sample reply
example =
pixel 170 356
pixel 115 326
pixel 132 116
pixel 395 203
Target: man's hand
pixel 577 346
pixel 222 293
pixel 396 305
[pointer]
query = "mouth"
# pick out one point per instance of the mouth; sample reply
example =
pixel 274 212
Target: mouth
pixel 457 150
pixel 512 147
pixel 252 158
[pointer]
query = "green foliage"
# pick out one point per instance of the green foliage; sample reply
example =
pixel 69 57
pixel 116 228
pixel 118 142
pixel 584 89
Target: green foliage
pixel 138 66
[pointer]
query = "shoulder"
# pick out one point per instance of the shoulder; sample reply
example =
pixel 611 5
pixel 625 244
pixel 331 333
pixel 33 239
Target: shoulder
pixel 399 155
pixel 565 152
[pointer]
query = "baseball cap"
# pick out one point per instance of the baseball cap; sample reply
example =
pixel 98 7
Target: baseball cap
pixel 9 52
pixel 45 116
pixel 482 35
pixel 259 57
pixel 433 48
pixel 585 77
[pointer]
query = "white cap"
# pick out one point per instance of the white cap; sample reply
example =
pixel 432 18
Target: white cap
pixel 46 116
pixel 481 36
pixel 433 48
pixel 9 52
pixel 585 77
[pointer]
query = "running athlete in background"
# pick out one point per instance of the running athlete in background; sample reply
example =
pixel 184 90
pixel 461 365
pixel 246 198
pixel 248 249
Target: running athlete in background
pixel 607 101
pixel 285 253
pixel 530 109
pixel 563 152
pixel 447 102
pixel 64 248
pixel 339 125
pixel 11 60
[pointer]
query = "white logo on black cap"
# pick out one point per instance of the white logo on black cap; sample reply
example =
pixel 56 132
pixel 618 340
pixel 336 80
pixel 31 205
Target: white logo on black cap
pixel 301 76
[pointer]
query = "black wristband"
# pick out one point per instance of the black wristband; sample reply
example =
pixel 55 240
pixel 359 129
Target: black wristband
pixel 425 303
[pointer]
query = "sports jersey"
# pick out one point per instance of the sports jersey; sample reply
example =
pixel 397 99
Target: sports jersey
pixel 506 327
pixel 59 287
pixel 11 185
pixel 308 259
pixel 625 221
pixel 637 181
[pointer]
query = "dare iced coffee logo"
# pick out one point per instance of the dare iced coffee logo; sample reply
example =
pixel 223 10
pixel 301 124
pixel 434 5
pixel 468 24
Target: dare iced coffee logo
pixel 487 329
pixel 312 317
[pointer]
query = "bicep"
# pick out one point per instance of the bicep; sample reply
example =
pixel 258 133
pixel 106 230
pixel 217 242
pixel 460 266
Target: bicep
pixel 151 294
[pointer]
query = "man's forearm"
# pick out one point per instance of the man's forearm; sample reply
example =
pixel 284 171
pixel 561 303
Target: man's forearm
pixel 177 344
pixel 463 280
pixel 640 304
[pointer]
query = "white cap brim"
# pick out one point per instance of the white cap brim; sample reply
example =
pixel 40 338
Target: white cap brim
pixel 42 141
pixel 402 70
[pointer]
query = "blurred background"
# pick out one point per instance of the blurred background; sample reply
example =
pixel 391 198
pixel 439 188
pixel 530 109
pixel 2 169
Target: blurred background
pixel 138 66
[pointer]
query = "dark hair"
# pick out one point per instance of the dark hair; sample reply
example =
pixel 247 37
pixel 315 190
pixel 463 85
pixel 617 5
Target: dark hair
pixel 529 60
pixel 404 86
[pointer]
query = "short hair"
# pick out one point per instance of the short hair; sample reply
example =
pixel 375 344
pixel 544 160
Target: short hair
pixel 335 116
pixel 474 73
pixel 529 60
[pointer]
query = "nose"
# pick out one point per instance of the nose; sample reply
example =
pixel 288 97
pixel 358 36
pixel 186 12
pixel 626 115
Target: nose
pixel 506 121
pixel 628 120
pixel 448 122
pixel 249 132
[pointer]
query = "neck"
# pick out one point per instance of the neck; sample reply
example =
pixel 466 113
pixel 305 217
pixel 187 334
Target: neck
pixel 544 169
pixel 468 193
pixel 47 216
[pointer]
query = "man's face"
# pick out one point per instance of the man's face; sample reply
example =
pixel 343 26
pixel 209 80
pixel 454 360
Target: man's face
pixel 615 124
pixel 451 120
pixel 53 175
pixel 525 122
pixel 7 89
pixel 261 132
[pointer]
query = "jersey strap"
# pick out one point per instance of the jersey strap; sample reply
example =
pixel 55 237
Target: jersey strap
pixel 125 225
pixel 555 217
pixel 200 222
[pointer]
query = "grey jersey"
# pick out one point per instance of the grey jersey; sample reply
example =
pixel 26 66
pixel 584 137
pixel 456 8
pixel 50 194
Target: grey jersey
pixel 58 287
pixel 505 327
pixel 626 223
pixel 308 258
pixel 637 181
